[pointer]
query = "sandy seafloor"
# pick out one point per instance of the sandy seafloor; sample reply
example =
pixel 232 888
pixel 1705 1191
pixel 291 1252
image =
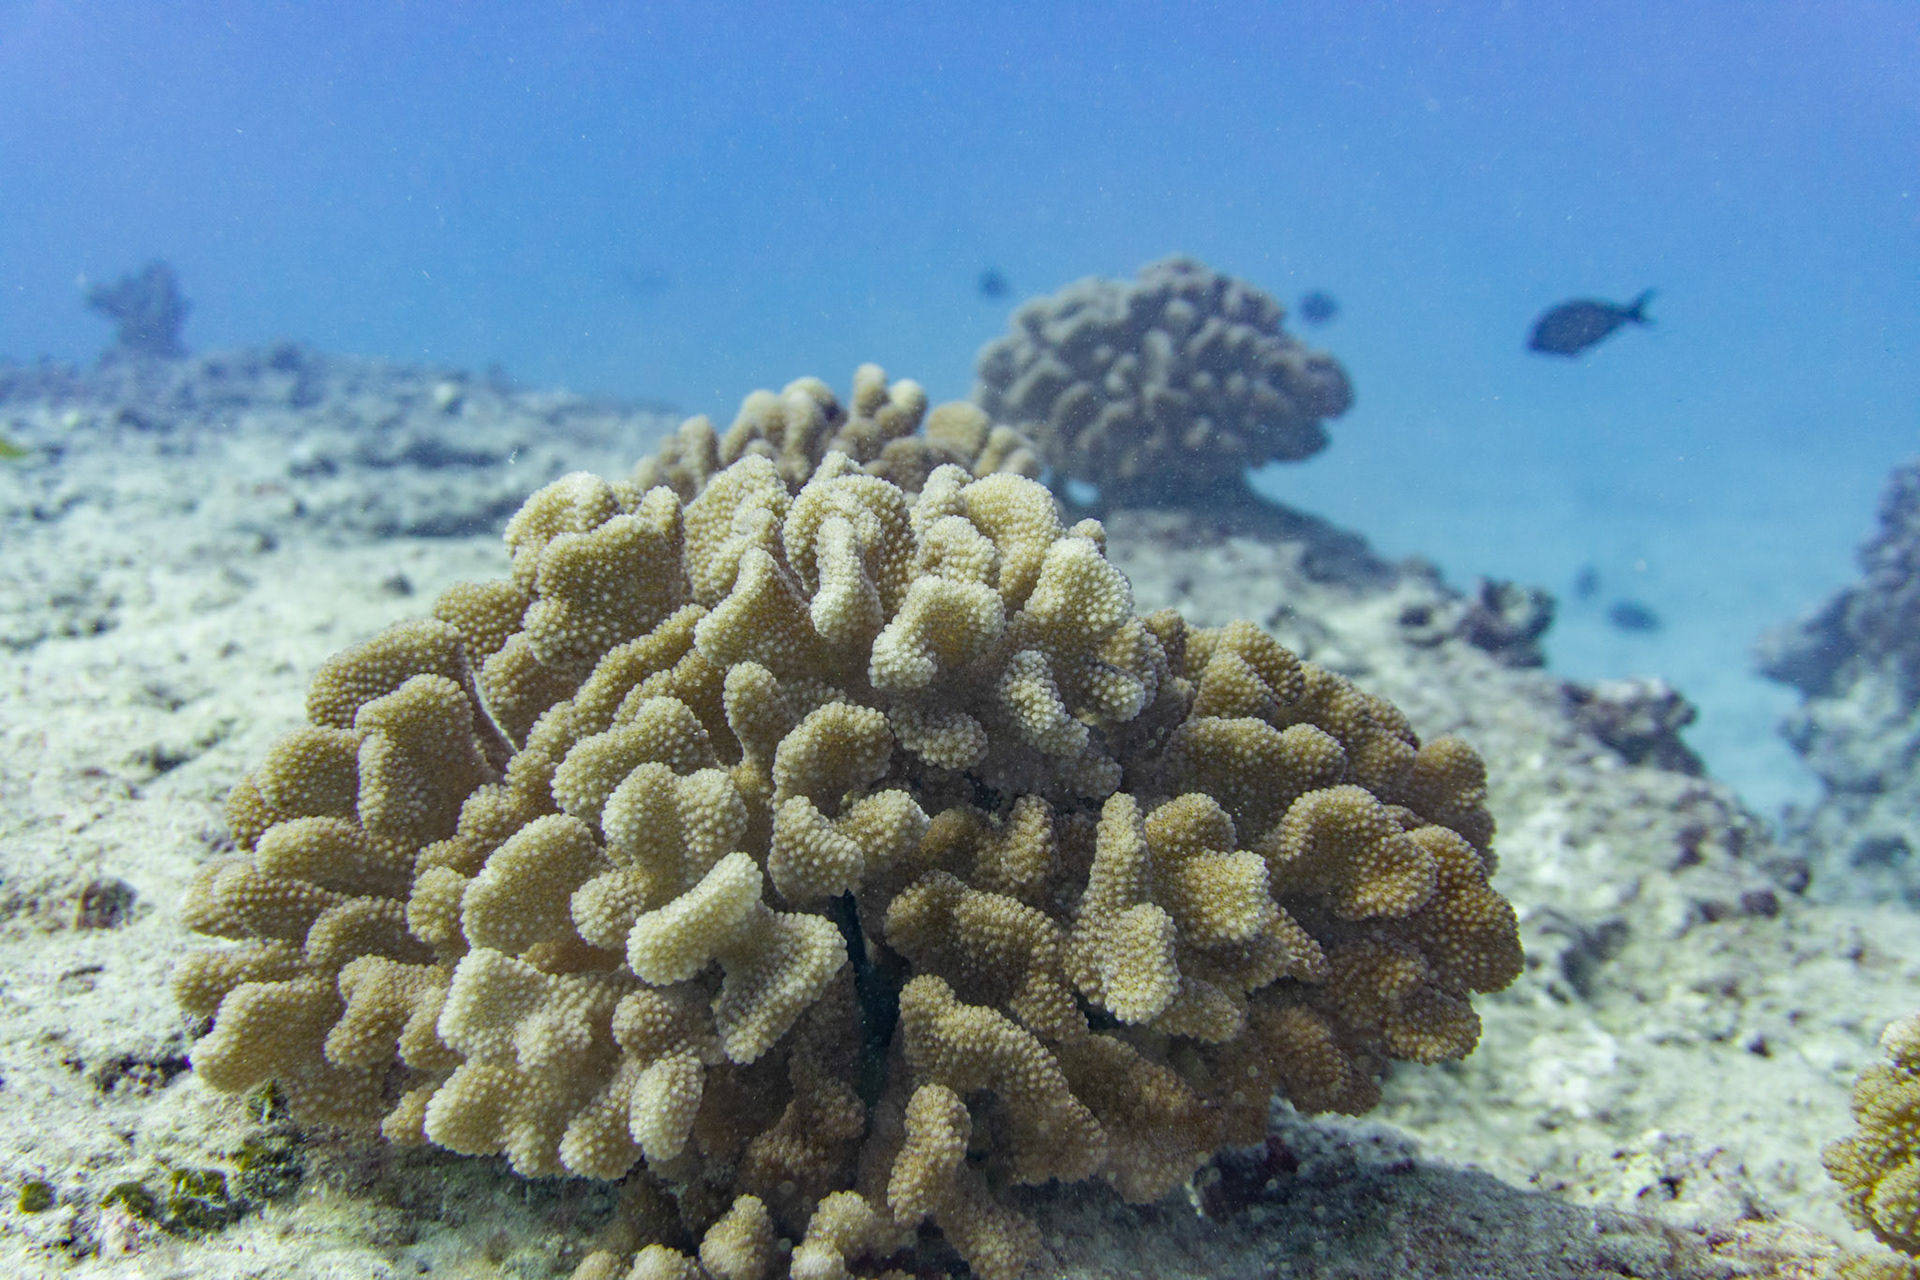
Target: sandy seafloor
pixel 184 547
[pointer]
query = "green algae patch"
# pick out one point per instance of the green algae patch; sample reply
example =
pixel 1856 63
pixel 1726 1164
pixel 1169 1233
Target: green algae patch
pixel 134 1199
pixel 9 450
pixel 198 1202
pixel 268 1166
pixel 266 1105
pixel 36 1196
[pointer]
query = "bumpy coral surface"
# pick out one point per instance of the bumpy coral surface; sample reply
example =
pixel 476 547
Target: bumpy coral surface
pixel 1163 390
pixel 826 858
pixel 888 432
pixel 1879 1166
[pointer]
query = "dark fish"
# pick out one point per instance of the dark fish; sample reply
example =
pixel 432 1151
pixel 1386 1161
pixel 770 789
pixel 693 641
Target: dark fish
pixel 642 282
pixel 1318 307
pixel 1631 615
pixel 1572 327
pixel 1586 583
pixel 992 284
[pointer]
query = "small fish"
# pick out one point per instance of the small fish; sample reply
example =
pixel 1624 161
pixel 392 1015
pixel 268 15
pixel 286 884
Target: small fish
pixel 1318 307
pixel 992 284
pixel 1586 583
pixel 9 450
pixel 642 282
pixel 1572 327
pixel 1631 615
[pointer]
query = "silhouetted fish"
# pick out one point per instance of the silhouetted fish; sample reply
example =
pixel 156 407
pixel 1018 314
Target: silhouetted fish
pixel 992 284
pixel 1631 615
pixel 1318 307
pixel 1572 327
pixel 642 282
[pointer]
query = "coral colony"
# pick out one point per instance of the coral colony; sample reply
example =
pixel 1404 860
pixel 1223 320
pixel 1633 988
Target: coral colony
pixel 810 833
pixel 1162 391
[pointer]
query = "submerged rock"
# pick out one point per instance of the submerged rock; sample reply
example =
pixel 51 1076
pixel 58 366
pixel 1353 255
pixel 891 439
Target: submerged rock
pixel 1856 661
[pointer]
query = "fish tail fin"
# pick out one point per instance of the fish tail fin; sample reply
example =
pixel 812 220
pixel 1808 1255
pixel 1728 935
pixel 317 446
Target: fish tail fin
pixel 1637 312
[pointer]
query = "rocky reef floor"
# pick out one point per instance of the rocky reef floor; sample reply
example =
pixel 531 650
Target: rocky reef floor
pixel 185 542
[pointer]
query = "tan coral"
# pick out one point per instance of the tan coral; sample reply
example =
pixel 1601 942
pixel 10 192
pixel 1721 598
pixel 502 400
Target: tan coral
pixel 524 894
pixel 999 951
pixel 764 746
pixel 1878 1167
pixel 1341 842
pixel 420 757
pixel 1176 926
pixel 313 772
pixel 844 1228
pixel 1163 389
pixel 658 1262
pixel 1159 1131
pixel 800 1160
pixel 485 613
pixel 740 1245
pixel 586 598
pixel 805 421
pixel 972 1047
pixel 775 964
pixel 931 1179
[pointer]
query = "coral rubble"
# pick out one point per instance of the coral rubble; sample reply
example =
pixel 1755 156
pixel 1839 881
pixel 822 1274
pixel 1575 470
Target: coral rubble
pixel 272 442
pixel 1164 390
pixel 810 832
pixel 1857 661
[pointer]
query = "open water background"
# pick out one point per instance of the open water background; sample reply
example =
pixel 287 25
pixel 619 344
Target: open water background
pixel 685 202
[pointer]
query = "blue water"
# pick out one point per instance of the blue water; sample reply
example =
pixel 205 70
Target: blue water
pixel 691 202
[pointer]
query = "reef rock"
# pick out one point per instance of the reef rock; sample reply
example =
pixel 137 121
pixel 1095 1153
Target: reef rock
pixel 1857 661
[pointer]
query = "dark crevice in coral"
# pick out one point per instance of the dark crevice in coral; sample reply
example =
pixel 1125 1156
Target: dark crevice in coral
pixel 987 797
pixel 878 975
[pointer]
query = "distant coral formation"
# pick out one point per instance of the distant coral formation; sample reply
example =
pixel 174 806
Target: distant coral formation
pixel 1879 1166
pixel 148 310
pixel 1857 661
pixel 1163 390
pixel 1640 717
pixel 827 849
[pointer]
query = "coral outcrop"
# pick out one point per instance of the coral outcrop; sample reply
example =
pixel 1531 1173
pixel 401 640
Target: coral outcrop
pixel 810 832
pixel 148 312
pixel 1856 659
pixel 1640 717
pixel 1163 390
pixel 1878 1168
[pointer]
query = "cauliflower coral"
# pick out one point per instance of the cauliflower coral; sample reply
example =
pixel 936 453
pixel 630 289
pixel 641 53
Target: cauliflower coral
pixel 811 833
